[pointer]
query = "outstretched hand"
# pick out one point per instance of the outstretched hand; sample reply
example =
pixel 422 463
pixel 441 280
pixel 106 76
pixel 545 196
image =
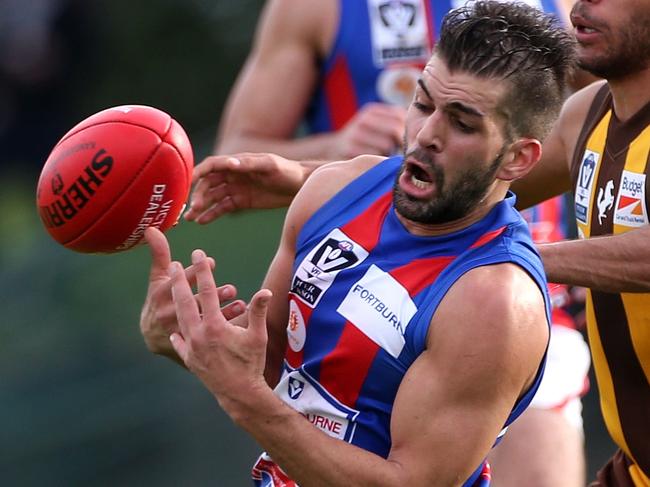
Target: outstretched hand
pixel 158 317
pixel 226 184
pixel 227 358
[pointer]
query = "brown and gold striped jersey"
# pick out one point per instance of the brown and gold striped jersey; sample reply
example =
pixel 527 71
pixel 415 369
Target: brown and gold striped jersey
pixel 610 172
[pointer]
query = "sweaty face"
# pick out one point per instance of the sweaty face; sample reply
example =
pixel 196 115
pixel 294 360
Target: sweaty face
pixel 613 36
pixel 453 146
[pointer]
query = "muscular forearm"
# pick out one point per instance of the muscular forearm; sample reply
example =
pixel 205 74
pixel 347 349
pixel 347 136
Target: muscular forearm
pixel 619 263
pixel 306 454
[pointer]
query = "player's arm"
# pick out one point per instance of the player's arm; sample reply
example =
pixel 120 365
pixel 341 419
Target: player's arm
pixel 551 176
pixel 613 264
pixel 483 351
pixel 481 355
pixel 275 84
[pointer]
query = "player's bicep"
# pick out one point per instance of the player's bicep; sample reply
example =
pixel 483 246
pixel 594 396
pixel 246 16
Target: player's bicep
pixel 481 356
pixel 272 90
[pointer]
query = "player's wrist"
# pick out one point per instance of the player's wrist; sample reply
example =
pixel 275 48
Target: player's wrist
pixel 246 406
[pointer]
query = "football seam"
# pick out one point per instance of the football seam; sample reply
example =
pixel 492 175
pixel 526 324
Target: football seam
pixel 187 181
pixel 97 124
pixel 120 194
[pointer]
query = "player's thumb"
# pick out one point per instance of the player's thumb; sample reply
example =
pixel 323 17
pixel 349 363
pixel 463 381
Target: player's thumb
pixel 160 253
pixel 257 312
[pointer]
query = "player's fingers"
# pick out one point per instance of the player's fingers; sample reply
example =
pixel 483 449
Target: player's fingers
pixel 179 346
pixel 187 310
pixel 207 288
pixel 200 193
pixel 257 312
pixel 160 254
pixel 213 164
pixel 233 310
pixel 223 207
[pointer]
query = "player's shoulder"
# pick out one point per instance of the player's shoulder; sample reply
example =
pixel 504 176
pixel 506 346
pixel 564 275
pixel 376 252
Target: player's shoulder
pixel 325 182
pixel 493 302
pixel 310 20
pixel 575 108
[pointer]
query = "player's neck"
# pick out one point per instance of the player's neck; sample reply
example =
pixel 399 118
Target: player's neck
pixel 630 94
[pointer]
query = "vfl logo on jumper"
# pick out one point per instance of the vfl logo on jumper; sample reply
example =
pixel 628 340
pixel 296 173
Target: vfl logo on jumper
pixel 630 206
pixel 585 184
pixel 399 31
pixel 381 308
pixel 295 388
pixel 307 396
pixel 605 200
pixel 316 272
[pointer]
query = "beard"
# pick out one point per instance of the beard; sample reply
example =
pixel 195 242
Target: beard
pixel 626 54
pixel 452 200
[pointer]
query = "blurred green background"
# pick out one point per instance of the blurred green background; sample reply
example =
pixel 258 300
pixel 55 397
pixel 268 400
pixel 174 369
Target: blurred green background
pixel 82 402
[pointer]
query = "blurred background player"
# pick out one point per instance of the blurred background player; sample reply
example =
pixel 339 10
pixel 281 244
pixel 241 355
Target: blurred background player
pixel 343 72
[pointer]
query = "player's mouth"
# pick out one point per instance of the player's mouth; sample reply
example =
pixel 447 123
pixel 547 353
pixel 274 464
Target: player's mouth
pixel 585 30
pixel 417 179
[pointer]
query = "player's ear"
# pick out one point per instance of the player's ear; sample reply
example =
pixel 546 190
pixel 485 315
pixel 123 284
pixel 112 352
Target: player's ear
pixel 520 158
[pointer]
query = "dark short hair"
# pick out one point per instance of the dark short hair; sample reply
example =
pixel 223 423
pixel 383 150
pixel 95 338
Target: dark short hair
pixel 515 42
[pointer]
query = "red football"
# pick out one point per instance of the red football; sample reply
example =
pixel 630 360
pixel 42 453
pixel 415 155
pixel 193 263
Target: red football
pixel 111 176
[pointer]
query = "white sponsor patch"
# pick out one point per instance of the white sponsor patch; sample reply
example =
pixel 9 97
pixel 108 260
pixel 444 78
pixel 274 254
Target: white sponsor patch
pixel 306 396
pixel 399 31
pixel 381 308
pixel 296 330
pixel 631 209
pixel 396 84
pixel 584 185
pixel 318 269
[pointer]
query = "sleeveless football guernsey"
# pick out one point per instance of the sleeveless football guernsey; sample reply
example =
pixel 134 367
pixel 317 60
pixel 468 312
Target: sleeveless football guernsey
pixel 363 293
pixel 377 55
pixel 609 172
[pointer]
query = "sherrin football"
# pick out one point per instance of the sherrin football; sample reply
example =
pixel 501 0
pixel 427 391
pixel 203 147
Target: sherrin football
pixel 113 175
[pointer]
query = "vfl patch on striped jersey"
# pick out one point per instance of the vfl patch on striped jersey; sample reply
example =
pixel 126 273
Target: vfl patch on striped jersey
pixel 305 395
pixel 399 31
pixel 381 308
pixel 585 184
pixel 630 204
pixel 320 267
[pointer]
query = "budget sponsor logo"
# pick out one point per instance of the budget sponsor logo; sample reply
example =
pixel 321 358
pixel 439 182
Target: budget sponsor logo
pixel 631 208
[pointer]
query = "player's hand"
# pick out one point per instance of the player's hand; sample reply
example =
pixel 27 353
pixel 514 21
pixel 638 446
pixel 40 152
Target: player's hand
pixel 377 129
pixel 225 184
pixel 158 317
pixel 227 358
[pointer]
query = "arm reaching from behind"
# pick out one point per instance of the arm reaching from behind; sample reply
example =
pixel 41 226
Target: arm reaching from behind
pixel 226 184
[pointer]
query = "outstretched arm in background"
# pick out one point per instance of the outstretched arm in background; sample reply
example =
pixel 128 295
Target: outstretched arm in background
pixel 273 90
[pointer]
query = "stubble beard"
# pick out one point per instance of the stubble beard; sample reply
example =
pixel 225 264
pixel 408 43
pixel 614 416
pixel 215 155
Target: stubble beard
pixel 627 55
pixel 449 203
